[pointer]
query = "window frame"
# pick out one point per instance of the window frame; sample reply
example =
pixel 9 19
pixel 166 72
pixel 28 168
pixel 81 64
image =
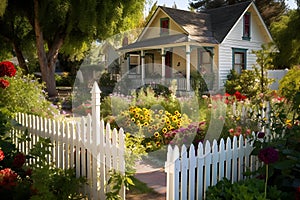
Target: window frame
pixel 135 66
pixel 239 51
pixel 164 30
pixel 247 34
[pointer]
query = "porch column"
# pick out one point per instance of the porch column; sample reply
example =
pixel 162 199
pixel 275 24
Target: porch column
pixel 143 66
pixel 163 64
pixel 188 67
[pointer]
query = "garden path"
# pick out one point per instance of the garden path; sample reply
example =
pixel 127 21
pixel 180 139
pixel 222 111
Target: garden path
pixel 153 176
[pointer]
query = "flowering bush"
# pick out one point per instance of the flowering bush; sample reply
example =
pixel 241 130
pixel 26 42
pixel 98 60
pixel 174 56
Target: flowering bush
pixel 191 134
pixel 154 124
pixel 7 69
pixel 22 93
pixel 38 179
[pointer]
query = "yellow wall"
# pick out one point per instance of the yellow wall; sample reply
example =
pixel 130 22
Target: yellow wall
pixel 153 29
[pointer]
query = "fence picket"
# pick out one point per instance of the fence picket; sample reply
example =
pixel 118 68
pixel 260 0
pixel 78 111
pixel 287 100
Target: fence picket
pixel 184 171
pixel 192 168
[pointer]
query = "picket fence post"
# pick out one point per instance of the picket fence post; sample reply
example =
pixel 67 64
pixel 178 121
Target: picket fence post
pixel 211 163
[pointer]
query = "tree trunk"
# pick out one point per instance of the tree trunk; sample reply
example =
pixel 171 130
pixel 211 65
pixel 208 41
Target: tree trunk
pixel 20 57
pixel 47 66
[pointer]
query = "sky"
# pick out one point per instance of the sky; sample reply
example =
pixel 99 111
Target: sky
pixel 183 4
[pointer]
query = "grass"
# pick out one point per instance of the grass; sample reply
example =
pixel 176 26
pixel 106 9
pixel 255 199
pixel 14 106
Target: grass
pixel 139 187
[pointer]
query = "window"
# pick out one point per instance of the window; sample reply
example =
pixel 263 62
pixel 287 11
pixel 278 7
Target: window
pixel 134 64
pixel 246 32
pixel 205 65
pixel 239 60
pixel 164 26
pixel 205 56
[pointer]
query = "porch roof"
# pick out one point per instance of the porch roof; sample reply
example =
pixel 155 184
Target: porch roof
pixel 157 41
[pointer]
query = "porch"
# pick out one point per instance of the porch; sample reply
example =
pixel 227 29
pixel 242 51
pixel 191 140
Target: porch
pixel 180 65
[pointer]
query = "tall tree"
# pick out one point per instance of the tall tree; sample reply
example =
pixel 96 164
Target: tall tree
pixel 270 10
pixel 285 34
pixel 3 4
pixel 69 26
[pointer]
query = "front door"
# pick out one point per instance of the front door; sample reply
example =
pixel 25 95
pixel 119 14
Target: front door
pixel 168 64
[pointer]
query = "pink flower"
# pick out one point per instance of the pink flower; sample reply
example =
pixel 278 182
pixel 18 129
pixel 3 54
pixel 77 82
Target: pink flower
pixel 2 156
pixel 8 178
pixel 239 129
pixel 248 132
pixel 3 83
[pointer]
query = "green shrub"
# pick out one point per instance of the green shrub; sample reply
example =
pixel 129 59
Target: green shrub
pixel 289 87
pixel 248 83
pixel 25 94
pixel 242 190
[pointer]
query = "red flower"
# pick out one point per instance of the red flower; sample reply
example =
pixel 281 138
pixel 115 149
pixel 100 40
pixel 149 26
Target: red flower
pixel 4 83
pixel 239 96
pixel 8 178
pixel 268 155
pixel 2 156
pixel 7 69
pixel 19 160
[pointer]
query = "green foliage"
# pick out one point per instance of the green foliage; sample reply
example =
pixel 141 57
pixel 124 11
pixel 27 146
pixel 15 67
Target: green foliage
pixel 246 83
pixel 25 94
pixel 50 182
pixel 246 189
pixel 282 132
pixel 250 83
pixel 289 87
pixel 3 4
pixel 107 84
pixel 115 182
pixel 64 79
pixel 198 83
pixel 37 179
pixel 287 39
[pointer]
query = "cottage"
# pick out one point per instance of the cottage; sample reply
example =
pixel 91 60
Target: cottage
pixel 177 43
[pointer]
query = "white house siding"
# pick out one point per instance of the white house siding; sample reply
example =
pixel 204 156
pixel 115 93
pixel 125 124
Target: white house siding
pixel 234 40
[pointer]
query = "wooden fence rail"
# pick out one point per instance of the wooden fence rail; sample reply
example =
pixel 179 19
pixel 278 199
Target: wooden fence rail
pixel 191 171
pixel 85 144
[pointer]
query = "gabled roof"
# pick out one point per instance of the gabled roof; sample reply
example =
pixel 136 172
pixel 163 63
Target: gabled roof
pixel 197 25
pixel 224 18
pixel 210 26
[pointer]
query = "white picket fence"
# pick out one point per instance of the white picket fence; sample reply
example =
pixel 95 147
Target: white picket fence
pixel 190 172
pixel 85 145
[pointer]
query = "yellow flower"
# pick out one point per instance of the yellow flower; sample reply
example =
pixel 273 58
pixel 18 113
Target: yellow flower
pixel 176 112
pixel 161 112
pixel 157 144
pixel 132 119
pixel 156 134
pixel 146 124
pixel 164 130
pixel 179 124
pixel 288 122
pixel 157 116
pixel 174 118
pixel 141 117
pixel 168 122
pixel 136 115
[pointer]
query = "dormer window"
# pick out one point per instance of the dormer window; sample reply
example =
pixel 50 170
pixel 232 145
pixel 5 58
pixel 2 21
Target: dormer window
pixel 164 26
pixel 247 22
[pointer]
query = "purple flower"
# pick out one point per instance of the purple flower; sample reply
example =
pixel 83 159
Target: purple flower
pixel 260 134
pixel 268 155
